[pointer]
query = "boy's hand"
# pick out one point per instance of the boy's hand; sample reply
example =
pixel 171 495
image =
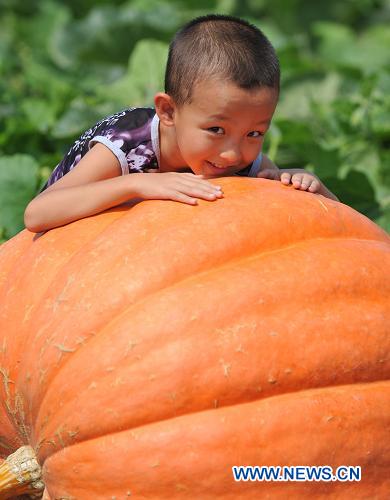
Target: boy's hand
pixel 300 179
pixel 305 181
pixel 176 186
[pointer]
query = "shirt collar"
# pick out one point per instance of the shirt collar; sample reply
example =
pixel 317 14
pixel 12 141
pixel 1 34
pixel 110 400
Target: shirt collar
pixel 155 137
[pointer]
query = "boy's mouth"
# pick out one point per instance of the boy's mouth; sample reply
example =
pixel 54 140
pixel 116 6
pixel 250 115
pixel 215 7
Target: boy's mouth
pixel 215 165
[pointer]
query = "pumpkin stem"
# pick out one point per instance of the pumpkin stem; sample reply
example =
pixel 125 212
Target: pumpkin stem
pixel 21 474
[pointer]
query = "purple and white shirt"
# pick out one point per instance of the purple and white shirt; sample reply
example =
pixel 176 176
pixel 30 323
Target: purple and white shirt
pixel 132 136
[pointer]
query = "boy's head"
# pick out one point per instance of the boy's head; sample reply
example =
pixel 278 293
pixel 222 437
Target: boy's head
pixel 221 90
pixel 217 47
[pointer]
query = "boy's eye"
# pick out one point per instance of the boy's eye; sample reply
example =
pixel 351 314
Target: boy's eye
pixel 220 130
pixel 217 130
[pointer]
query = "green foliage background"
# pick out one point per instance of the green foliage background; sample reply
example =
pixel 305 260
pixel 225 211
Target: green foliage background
pixel 66 64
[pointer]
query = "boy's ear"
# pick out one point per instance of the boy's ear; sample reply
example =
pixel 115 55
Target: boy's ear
pixel 165 108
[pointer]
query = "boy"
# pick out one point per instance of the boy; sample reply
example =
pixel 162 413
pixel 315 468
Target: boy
pixel 221 90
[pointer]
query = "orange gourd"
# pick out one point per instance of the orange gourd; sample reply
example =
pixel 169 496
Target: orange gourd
pixel 148 349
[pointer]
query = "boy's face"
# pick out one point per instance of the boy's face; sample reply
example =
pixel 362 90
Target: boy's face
pixel 222 130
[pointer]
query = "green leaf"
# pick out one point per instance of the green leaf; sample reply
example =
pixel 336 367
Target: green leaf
pixel 336 42
pixel 325 162
pixel 18 182
pixel 384 220
pixel 147 67
pixel 40 113
pixel 380 119
pixel 109 33
pixel 373 48
pixel 340 46
pixel 384 168
pixel 356 191
pixel 296 101
pixel 79 117
pixel 145 75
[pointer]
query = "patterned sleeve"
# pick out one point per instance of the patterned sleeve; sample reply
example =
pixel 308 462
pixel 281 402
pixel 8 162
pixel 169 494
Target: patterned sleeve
pixel 126 134
pixel 129 138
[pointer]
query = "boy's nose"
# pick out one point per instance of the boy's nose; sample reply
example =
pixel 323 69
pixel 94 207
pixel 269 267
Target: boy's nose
pixel 232 155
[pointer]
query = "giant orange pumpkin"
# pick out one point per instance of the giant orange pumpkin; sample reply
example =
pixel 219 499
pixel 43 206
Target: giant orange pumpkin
pixel 147 350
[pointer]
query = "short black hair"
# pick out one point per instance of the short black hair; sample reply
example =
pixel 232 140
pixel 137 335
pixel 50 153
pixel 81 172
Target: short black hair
pixel 219 46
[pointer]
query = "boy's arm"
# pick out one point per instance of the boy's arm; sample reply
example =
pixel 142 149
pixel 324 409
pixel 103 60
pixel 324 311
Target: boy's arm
pixel 299 178
pixel 96 184
pixel 92 186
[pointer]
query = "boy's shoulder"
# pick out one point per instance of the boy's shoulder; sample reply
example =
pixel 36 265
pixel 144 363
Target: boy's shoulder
pixel 128 127
pixel 138 114
pixel 121 132
pixel 126 119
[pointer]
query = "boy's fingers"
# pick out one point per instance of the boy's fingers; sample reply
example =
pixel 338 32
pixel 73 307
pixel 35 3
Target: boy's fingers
pixel 305 183
pixel 193 197
pixel 203 191
pixel 285 178
pixel 315 186
pixel 183 198
pixel 192 180
pixel 308 179
pixel 207 187
pixel 297 180
pixel 301 180
pixel 309 183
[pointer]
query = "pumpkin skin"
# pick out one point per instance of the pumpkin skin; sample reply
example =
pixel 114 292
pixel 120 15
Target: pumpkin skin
pixel 147 350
